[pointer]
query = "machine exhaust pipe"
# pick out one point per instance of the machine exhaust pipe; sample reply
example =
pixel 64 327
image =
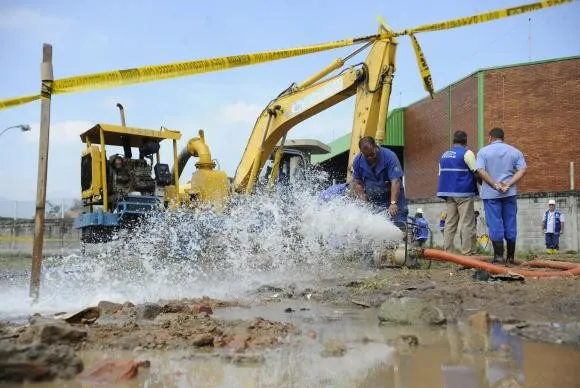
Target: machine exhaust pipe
pixel 126 143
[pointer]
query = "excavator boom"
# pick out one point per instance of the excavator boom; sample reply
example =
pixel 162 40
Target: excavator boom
pixel 371 82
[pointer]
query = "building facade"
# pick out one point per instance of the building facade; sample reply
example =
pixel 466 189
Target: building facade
pixel 536 103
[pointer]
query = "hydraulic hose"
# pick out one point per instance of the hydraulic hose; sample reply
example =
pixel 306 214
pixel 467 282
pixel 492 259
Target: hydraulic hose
pixel 435 254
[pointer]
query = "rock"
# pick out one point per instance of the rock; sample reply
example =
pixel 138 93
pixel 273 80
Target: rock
pixel 201 308
pixel 288 310
pixel 239 343
pixel 109 308
pixel 405 341
pixel 333 348
pixel 263 340
pixel 175 307
pixel 85 316
pixel 410 311
pixel 148 310
pixel 244 359
pixel 52 333
pixel 480 321
pixel 112 372
pixel 203 340
pixel 311 334
pixel 128 304
pixel 268 288
pixel 38 362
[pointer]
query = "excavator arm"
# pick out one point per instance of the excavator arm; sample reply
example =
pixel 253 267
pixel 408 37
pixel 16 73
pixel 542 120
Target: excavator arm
pixel 371 82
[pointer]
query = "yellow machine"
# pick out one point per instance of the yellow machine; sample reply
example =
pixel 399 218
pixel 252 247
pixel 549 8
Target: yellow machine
pixel 120 189
pixel 370 81
pixel 123 184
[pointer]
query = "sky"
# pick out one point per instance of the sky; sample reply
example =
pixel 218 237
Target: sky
pixel 90 37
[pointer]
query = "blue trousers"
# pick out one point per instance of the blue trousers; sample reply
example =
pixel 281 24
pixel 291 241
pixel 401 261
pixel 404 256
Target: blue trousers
pixel 552 240
pixel 501 217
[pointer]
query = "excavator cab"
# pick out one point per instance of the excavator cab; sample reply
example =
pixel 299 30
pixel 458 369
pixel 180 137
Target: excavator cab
pixel 294 162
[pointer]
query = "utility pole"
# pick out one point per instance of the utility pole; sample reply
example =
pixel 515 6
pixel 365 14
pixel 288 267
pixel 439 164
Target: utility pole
pixel 47 78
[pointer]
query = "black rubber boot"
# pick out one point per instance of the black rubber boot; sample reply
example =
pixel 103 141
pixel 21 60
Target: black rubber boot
pixel 511 252
pixel 497 251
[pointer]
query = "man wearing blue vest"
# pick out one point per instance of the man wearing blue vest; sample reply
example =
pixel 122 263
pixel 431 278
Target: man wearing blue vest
pixel 377 179
pixel 501 166
pixel 458 187
pixel 553 227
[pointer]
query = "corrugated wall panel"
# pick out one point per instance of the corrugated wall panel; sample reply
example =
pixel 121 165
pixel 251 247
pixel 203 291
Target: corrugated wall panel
pixel 395 130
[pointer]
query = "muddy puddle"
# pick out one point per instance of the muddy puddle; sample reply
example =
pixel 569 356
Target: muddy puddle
pixel 335 347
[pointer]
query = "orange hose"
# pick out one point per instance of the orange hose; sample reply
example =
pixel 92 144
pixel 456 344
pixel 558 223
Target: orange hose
pixel 550 264
pixel 438 255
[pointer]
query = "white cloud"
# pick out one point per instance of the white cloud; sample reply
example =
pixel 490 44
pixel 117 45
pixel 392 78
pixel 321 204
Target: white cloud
pixel 240 112
pixel 61 133
pixel 27 19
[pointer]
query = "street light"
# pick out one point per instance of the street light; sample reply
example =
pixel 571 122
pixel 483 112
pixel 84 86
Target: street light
pixel 23 128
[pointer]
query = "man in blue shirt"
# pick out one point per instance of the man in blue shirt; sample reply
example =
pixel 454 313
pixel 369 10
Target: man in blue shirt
pixel 500 166
pixel 377 179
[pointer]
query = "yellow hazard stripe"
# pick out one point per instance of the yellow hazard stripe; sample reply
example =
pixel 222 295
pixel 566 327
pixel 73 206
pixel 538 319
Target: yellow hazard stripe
pixel 10 102
pixel 181 69
pixel 485 17
pixel 423 67
pixel 159 72
pixel 154 73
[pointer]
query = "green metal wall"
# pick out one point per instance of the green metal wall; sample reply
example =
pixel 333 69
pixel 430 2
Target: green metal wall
pixel 395 129
pixel 395 136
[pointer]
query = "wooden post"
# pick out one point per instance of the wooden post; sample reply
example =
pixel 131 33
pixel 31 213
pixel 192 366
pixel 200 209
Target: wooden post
pixel 46 93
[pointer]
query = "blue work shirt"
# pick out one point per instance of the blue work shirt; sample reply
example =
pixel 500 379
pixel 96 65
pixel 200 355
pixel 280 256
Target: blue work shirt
pixel 377 181
pixel 500 161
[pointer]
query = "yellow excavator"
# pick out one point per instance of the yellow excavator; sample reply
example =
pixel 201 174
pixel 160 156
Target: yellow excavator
pixel 113 195
pixel 370 80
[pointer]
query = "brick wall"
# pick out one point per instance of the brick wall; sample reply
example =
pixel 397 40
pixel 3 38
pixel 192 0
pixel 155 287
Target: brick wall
pixel 538 106
pixel 428 127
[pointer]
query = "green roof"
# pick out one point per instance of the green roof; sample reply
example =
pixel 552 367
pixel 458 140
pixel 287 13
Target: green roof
pixel 337 147
pixel 395 137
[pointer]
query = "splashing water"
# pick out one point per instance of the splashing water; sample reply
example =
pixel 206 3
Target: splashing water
pixel 284 236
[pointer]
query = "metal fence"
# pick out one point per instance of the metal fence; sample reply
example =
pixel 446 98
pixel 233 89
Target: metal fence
pixel 55 208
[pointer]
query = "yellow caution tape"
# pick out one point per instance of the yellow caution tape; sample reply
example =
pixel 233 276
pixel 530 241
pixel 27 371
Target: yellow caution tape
pixel 181 69
pixel 423 67
pixel 154 73
pixel 485 17
pixel 9 103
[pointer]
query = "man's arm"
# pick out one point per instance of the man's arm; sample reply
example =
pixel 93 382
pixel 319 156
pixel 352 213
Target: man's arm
pixel 488 179
pixel 359 190
pixel 505 186
pixel 395 188
pixel 395 175
pixel 520 167
pixel 469 159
